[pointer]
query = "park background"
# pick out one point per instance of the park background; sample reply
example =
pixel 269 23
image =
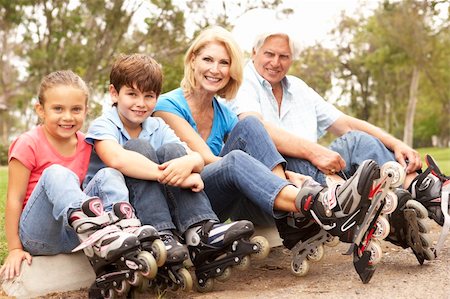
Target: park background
pixel 383 61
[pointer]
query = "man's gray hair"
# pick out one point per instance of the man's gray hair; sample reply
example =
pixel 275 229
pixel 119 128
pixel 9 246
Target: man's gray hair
pixel 261 38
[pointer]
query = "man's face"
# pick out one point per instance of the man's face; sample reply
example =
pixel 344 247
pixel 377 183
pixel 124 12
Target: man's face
pixel 273 60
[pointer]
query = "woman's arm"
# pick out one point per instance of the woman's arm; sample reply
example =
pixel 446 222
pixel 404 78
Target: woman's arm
pixel 187 134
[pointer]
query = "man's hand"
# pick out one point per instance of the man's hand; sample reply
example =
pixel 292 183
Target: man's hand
pixel 326 160
pixel 403 152
pixel 13 262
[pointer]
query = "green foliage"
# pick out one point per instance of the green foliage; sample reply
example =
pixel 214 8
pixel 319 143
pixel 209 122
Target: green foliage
pixel 3 154
pixel 3 186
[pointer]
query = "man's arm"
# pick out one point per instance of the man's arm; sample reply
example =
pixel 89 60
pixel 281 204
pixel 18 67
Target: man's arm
pixel 293 146
pixel 402 151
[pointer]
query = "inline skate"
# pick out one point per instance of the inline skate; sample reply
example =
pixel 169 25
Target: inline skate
pixel 431 188
pixel 148 238
pixel 173 274
pixel 350 211
pixel 114 254
pixel 215 248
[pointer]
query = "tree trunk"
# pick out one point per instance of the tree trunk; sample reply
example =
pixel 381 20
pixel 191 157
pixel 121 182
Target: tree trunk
pixel 411 110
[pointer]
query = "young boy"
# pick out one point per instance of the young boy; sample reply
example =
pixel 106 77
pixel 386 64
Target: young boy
pixel 161 172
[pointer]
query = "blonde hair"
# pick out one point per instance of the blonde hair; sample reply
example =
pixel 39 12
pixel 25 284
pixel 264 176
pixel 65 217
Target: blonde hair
pixel 261 39
pixel 61 78
pixel 223 36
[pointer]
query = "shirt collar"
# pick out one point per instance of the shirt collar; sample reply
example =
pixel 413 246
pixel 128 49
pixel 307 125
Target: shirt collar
pixel 284 82
pixel 149 125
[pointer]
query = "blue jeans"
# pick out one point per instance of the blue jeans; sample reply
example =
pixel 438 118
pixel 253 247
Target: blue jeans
pixel 241 185
pixel 44 227
pixel 166 207
pixel 354 147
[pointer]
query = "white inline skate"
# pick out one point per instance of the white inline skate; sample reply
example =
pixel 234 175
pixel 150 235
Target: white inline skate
pixel 216 247
pixel 114 254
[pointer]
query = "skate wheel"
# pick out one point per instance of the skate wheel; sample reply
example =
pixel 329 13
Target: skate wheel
pixel 394 170
pixel 243 264
pixel 150 266
pixel 226 274
pixel 382 228
pixel 207 287
pixel 263 247
pixel 109 294
pixel 428 254
pixel 300 270
pixel 317 255
pixel 421 211
pixel 375 252
pixel 160 252
pixel 390 203
pixel 332 241
pixel 136 279
pixel 425 240
pixel 123 288
pixel 187 279
pixel 423 226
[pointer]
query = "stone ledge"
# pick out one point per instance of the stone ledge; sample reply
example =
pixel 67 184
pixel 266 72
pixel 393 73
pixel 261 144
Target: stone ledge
pixel 47 274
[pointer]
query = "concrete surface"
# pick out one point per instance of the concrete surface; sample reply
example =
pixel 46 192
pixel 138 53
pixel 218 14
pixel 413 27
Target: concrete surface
pixel 47 274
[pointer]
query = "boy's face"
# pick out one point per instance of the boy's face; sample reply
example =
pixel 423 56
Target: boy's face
pixel 133 105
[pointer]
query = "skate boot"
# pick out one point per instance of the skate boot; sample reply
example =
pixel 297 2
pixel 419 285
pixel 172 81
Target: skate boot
pixel 173 274
pixel 216 247
pixel 348 211
pixel 147 235
pixel 113 253
pixel 431 188
pixel 408 228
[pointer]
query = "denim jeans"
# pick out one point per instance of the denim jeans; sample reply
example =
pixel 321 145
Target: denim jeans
pixel 354 147
pixel 44 227
pixel 166 207
pixel 241 185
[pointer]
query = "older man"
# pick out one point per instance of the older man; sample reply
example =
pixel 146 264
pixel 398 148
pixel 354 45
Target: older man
pixel 296 116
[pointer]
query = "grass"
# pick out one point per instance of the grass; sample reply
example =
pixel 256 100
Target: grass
pixel 441 155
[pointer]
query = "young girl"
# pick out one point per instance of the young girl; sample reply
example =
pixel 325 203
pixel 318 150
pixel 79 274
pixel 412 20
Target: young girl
pixel 46 165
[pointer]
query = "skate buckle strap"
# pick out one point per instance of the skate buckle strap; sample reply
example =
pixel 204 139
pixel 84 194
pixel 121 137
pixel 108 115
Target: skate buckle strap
pixel 96 236
pixel 129 222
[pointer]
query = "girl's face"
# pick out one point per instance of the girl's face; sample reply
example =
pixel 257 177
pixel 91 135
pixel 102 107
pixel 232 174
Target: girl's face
pixel 212 67
pixel 63 112
pixel 133 105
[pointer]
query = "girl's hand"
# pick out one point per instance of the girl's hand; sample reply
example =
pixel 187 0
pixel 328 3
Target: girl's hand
pixel 13 263
pixel 193 182
pixel 175 171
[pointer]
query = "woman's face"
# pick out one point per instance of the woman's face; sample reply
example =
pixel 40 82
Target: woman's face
pixel 211 67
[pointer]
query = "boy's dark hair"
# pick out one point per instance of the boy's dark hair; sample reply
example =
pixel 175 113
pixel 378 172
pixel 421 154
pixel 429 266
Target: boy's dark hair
pixel 136 70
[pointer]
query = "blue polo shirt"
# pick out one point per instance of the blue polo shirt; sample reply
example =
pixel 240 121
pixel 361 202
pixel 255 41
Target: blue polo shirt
pixel 109 127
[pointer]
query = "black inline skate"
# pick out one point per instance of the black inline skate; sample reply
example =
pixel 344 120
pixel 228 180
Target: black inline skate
pixel 114 254
pixel 431 188
pixel 173 274
pixel 347 210
pixel 216 247
pixel 408 228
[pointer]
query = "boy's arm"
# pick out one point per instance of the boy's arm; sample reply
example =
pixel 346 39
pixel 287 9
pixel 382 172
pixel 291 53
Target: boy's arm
pixel 130 163
pixel 16 193
pixel 187 134
pixel 176 171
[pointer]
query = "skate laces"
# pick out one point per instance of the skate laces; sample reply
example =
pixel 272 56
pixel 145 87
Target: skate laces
pixel 97 235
